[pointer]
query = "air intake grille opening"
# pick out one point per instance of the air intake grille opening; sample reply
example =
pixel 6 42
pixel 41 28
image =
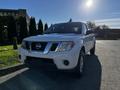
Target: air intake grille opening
pixel 54 46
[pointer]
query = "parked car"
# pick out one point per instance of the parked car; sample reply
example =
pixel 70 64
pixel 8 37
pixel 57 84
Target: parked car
pixel 63 44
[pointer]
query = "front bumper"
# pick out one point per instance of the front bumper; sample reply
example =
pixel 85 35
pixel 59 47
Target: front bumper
pixel 57 57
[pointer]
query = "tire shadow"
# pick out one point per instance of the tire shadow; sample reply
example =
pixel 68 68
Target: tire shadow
pixel 49 78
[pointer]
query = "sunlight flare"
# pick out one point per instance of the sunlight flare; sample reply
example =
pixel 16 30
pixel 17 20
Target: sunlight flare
pixel 89 3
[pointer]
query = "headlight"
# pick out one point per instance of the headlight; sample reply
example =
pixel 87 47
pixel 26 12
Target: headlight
pixel 23 45
pixel 65 46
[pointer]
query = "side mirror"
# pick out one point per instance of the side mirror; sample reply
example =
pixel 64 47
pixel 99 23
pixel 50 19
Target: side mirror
pixel 89 32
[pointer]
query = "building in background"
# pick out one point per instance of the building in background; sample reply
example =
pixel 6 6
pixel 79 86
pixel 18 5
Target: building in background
pixel 16 13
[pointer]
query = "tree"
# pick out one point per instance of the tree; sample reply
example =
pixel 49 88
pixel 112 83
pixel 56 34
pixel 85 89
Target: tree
pixel 51 25
pixel 70 20
pixel 91 25
pixel 104 27
pixel 40 27
pixel 45 27
pixel 15 43
pixel 32 27
pixel 1 31
pixel 12 32
pixel 23 28
pixel 106 32
pixel 11 28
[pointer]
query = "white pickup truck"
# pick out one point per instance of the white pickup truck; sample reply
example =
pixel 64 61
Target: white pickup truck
pixel 63 44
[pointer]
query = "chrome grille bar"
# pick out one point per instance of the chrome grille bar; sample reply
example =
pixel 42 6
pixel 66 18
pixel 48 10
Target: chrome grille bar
pixel 47 48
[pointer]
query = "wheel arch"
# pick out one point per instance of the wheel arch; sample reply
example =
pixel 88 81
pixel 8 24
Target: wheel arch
pixel 82 48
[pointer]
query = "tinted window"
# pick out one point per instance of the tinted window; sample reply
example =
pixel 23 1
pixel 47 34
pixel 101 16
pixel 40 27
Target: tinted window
pixel 65 28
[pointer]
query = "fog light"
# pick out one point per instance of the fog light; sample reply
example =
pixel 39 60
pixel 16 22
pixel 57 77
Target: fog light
pixel 66 62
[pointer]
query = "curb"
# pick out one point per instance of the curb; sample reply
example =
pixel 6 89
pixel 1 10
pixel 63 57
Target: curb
pixel 7 70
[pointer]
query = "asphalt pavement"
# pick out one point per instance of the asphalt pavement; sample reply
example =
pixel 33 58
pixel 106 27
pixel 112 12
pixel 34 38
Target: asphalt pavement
pixel 101 72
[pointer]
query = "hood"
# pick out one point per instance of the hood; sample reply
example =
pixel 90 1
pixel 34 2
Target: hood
pixel 54 37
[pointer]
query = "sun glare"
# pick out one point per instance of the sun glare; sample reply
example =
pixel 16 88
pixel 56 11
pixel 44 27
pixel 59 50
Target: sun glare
pixel 89 3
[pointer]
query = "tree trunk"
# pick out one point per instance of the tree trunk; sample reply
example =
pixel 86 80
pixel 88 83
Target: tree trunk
pixel 15 43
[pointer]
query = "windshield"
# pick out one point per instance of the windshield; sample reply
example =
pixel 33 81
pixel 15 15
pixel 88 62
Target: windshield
pixel 65 28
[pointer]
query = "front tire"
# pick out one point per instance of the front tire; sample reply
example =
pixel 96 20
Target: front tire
pixel 80 66
pixel 92 51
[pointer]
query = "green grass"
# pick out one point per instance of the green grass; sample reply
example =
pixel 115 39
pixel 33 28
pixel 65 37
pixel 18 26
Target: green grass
pixel 8 56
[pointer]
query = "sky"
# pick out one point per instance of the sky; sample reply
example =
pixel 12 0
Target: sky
pixel 55 11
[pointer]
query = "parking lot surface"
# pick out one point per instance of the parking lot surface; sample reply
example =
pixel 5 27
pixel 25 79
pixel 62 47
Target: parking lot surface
pixel 101 72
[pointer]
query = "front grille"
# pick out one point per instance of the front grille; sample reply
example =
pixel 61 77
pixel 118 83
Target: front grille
pixel 41 46
pixel 54 46
pixel 38 46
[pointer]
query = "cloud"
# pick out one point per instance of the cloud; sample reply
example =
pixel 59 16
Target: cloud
pixel 115 13
pixel 112 22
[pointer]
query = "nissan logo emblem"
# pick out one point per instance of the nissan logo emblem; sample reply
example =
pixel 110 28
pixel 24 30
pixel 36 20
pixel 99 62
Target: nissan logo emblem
pixel 38 46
